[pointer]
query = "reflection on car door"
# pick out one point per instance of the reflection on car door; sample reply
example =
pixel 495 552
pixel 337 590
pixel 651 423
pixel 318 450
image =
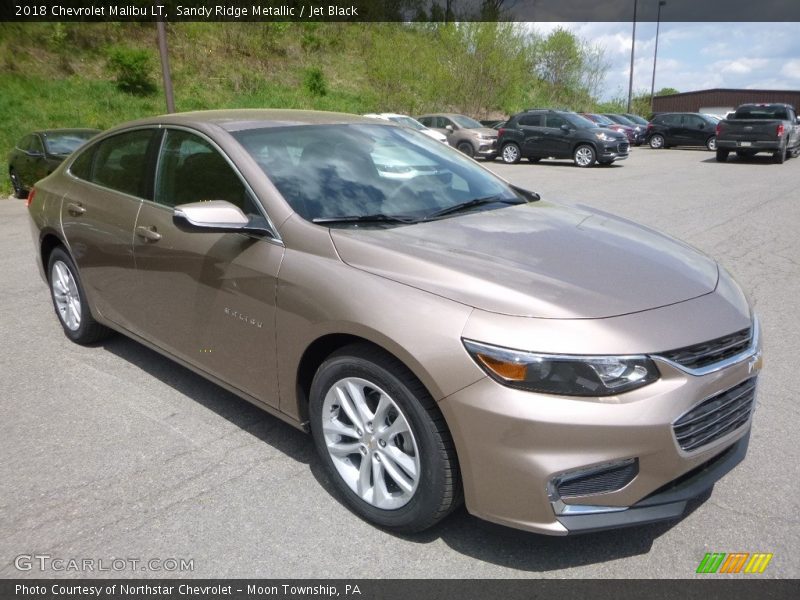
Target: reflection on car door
pixel 207 298
pixel 98 213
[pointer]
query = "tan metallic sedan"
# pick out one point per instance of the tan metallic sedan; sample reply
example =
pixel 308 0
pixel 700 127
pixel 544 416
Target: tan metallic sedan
pixel 443 334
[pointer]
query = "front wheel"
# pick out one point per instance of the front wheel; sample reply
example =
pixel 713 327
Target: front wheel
pixel 466 148
pixel 382 440
pixel 656 141
pixel 69 300
pixel 584 156
pixel 19 190
pixel 511 153
pixel 711 143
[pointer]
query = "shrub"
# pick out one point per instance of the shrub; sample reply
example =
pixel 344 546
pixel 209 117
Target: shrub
pixel 131 69
pixel 314 82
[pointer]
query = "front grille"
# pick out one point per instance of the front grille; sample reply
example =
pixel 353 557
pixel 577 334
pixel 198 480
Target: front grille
pixel 707 353
pixel 599 482
pixel 716 416
pixel 623 148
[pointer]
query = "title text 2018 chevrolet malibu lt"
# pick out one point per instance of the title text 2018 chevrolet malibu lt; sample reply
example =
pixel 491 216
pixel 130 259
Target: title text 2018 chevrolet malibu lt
pixel 443 336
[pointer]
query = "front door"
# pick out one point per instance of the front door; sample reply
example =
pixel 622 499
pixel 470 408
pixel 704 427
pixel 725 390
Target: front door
pixel 208 298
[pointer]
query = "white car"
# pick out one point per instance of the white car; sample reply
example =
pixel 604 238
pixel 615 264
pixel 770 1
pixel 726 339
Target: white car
pixel 407 121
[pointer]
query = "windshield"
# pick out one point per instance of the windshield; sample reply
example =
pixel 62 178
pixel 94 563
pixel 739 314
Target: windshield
pixel 466 122
pixel 408 122
pixel 66 143
pixel 636 119
pixel 358 170
pixel 601 120
pixel 579 121
pixel 622 120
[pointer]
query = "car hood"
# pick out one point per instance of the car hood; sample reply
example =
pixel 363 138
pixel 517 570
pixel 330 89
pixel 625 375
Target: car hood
pixel 541 259
pixel 484 131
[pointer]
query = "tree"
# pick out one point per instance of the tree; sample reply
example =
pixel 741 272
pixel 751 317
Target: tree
pixel 667 91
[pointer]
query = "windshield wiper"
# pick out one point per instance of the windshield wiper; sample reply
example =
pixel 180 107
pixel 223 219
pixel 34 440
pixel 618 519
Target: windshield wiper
pixel 496 199
pixel 376 218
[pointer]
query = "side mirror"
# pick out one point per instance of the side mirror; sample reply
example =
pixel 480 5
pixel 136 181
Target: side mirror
pixel 34 153
pixel 701 126
pixel 449 128
pixel 564 127
pixel 217 216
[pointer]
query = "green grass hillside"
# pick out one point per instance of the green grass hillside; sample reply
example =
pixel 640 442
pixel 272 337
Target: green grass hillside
pixel 62 75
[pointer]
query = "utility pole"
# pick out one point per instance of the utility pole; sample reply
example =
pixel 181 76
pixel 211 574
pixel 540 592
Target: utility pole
pixel 655 55
pixel 162 50
pixel 633 45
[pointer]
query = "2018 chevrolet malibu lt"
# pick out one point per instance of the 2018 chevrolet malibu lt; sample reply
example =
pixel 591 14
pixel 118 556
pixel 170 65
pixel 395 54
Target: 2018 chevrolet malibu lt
pixel 444 337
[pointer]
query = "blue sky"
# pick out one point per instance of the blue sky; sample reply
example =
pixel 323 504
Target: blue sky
pixel 696 56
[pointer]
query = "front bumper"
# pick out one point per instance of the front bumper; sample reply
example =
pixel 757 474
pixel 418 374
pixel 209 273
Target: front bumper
pixel 487 148
pixel 514 444
pixel 613 151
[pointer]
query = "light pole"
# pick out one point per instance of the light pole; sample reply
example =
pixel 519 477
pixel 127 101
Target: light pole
pixel 655 55
pixel 633 45
pixel 162 50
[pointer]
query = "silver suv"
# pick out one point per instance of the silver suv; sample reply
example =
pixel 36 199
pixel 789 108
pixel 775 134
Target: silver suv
pixel 464 133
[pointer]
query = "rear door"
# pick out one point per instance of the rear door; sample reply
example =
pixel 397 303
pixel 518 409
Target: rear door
pixel 98 213
pixel 207 298
pixel 698 130
pixel 532 127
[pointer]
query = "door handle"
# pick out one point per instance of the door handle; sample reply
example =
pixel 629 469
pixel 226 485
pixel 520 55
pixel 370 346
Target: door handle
pixel 148 233
pixel 75 209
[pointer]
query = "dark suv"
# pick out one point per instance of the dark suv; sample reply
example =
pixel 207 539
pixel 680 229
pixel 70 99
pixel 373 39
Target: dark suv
pixel 538 133
pixel 682 129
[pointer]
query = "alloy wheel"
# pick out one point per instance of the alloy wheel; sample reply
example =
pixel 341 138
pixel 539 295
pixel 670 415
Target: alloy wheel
pixel 510 153
pixel 66 295
pixel 370 443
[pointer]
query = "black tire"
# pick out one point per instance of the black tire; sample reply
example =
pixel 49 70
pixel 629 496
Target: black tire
pixel 511 153
pixel 438 489
pixel 466 148
pixel 711 143
pixel 584 156
pixel 657 141
pixel 88 331
pixel 19 191
pixel 722 155
pixel 779 156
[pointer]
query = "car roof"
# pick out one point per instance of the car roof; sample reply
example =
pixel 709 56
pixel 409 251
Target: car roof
pixel 250 118
pixel 443 115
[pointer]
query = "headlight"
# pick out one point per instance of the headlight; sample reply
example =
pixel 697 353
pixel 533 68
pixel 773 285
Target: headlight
pixel 565 375
pixel 603 136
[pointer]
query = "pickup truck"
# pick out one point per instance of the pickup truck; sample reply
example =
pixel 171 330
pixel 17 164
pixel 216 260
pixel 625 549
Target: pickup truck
pixel 755 128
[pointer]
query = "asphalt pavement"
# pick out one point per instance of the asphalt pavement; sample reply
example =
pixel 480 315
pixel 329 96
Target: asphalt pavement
pixel 115 453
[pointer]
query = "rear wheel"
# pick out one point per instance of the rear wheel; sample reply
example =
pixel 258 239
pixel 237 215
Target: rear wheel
pixel 19 190
pixel 466 148
pixel 711 143
pixel 656 141
pixel 510 153
pixel 722 155
pixel 382 440
pixel 584 156
pixel 779 156
pixel 69 300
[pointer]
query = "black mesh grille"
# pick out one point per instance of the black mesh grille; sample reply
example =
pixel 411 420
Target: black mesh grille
pixel 707 353
pixel 599 482
pixel 715 417
pixel 623 148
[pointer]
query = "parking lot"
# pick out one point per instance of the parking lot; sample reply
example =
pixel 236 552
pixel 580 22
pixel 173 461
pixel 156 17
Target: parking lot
pixel 113 451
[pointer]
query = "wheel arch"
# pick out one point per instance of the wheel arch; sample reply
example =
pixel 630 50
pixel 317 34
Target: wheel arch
pixel 48 242
pixel 323 346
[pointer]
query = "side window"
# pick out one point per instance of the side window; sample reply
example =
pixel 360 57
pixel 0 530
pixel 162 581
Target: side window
pixel 555 121
pixel 694 122
pixel 191 170
pixel 531 121
pixel 120 162
pixel 25 143
pixel 445 122
pixel 672 120
pixel 81 167
pixel 35 145
pixel 426 121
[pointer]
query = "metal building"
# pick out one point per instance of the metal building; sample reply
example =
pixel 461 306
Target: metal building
pixel 720 101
